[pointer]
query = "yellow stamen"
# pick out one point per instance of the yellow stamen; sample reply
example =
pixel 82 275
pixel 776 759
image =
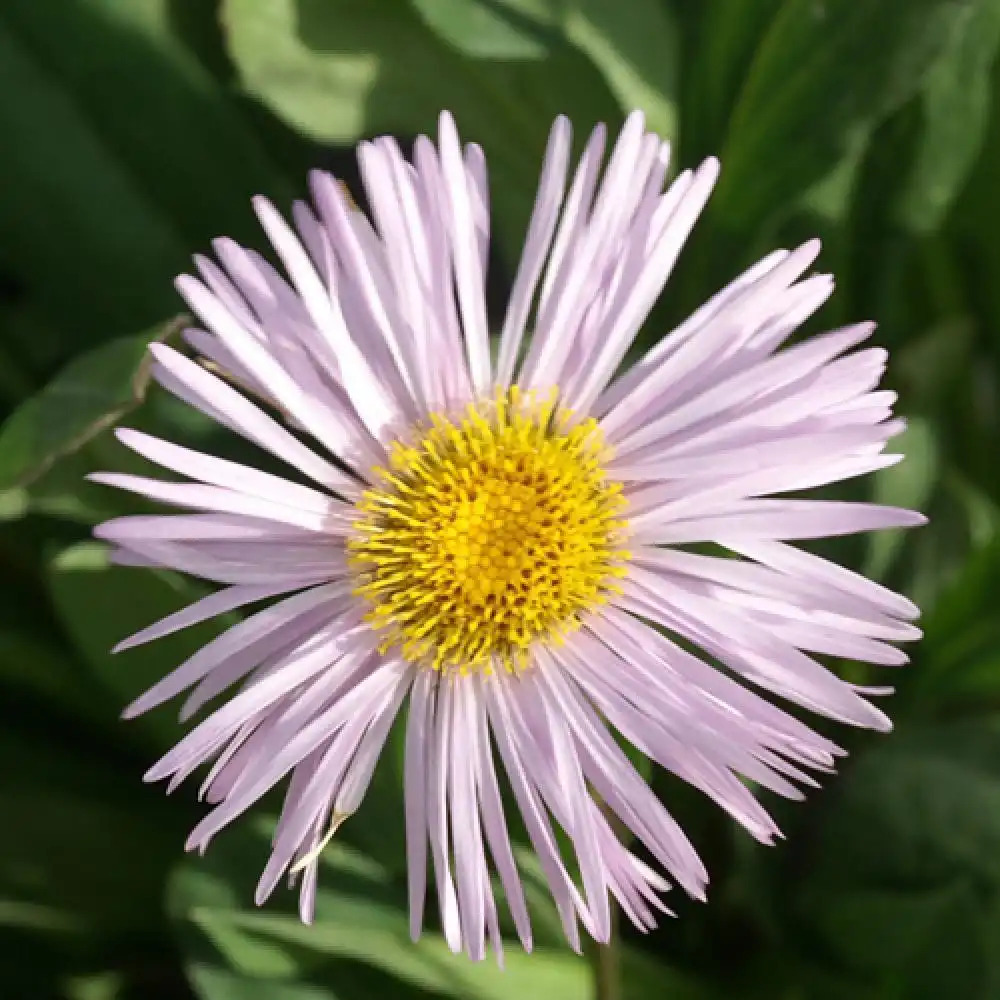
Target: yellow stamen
pixel 489 531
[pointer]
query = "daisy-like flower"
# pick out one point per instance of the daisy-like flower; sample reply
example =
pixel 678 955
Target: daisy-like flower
pixel 510 535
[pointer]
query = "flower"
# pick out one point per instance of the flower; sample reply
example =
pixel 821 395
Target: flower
pixel 516 545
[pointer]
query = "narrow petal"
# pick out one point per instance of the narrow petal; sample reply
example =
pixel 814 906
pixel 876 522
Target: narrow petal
pixel 219 400
pixel 415 793
pixel 544 216
pixel 469 275
pixel 202 610
pixel 437 817
pixel 286 614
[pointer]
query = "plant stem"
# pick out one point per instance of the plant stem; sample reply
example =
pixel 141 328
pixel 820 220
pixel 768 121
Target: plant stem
pixel 606 963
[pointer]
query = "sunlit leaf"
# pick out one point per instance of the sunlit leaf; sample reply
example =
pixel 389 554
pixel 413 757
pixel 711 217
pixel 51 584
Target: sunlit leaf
pixel 91 394
pixel 339 70
pixel 360 940
pixel 128 157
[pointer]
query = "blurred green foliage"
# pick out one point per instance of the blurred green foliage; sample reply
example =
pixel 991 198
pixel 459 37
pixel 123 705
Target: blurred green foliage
pixel 134 131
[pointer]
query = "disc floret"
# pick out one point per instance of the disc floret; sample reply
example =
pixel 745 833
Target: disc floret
pixel 488 531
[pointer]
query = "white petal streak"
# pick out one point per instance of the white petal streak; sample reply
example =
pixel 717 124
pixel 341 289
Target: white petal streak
pixel 291 811
pixel 688 357
pixel 564 892
pixel 269 695
pixel 544 216
pixel 572 224
pixel 218 399
pixel 363 278
pixel 752 650
pixel 211 606
pixel 477 172
pixel 353 663
pixel 786 618
pixel 494 823
pixel 324 419
pixel 393 201
pixel 620 785
pixel 415 794
pixel 199 528
pixel 786 375
pixel 805 566
pixel 359 772
pixel 627 384
pixel 289 565
pixel 276 648
pixel 647 286
pixel 819 601
pixel 469 276
pixel 595 247
pixel 786 447
pixel 470 860
pixel 437 814
pixel 285 614
pixel 225 501
pixel 336 780
pixel 213 350
pixel 660 503
pixel 778 520
pixel 221 472
pixel 369 691
pixel 450 355
pixel 691 741
pixel 372 402
pixel 567 794
pixel 744 715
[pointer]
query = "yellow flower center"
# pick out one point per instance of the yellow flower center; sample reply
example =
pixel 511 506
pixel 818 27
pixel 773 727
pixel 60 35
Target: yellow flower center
pixel 488 532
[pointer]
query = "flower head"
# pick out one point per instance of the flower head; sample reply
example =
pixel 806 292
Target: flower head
pixel 513 542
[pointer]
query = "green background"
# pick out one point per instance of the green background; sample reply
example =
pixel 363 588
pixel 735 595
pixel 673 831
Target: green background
pixel 134 131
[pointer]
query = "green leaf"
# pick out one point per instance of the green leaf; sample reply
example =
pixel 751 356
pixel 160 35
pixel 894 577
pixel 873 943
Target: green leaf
pixel 931 366
pixel 824 73
pixel 719 42
pixel 956 102
pixel 901 882
pixel 84 854
pixel 972 225
pixel 128 148
pixel 100 604
pixel 91 394
pixel 342 69
pixel 505 29
pixel 63 493
pixel 959 659
pixel 359 945
pixel 33 663
pixel 214 983
pixel 963 521
pixel 86 847
pixel 908 484
pixel 637 55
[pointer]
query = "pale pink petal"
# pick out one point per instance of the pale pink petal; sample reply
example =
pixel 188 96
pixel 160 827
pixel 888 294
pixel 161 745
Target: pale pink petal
pixel 540 230
pixel 215 398
pixel 264 623
pixel 469 275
